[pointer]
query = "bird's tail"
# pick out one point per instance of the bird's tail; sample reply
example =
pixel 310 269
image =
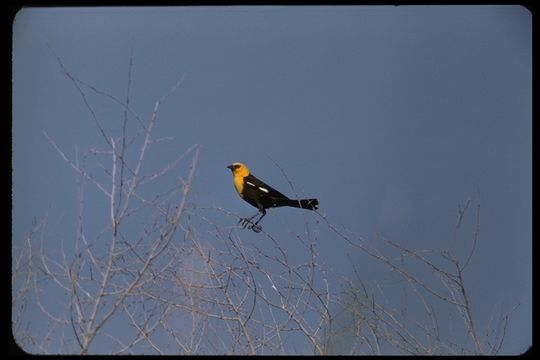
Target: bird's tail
pixel 310 204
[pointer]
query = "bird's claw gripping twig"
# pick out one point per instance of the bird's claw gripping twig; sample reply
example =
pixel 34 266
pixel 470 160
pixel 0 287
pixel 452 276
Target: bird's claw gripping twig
pixel 247 223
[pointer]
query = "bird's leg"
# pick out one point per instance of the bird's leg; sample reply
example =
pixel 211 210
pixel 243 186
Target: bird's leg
pixel 255 227
pixel 247 221
pixel 263 215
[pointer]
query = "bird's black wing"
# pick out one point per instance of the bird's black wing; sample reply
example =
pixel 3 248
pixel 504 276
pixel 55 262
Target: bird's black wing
pixel 264 190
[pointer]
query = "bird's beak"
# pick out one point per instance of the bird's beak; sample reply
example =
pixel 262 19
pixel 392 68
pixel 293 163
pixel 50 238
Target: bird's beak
pixel 230 167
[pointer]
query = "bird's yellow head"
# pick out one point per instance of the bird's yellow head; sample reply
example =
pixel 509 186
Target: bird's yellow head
pixel 239 169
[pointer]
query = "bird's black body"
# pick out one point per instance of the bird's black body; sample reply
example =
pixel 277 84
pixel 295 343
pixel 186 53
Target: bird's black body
pixel 264 200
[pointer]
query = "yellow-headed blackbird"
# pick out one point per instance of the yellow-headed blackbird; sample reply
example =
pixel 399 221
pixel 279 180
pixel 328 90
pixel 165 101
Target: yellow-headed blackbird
pixel 262 196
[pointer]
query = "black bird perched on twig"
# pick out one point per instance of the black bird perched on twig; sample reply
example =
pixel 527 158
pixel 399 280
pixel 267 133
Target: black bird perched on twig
pixel 262 196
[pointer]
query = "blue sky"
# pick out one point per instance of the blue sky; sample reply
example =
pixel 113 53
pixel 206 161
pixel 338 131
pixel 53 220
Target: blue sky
pixel 391 116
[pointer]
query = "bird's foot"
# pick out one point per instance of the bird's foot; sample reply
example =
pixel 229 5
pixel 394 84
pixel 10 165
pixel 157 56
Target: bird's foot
pixel 247 223
pixel 256 228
